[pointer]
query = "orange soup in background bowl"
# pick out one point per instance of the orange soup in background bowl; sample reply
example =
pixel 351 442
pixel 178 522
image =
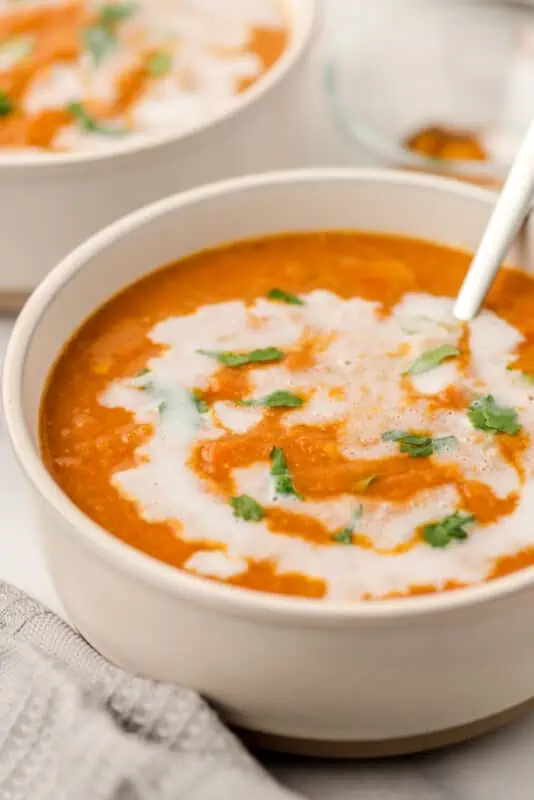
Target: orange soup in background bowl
pixel 272 466
pixel 105 106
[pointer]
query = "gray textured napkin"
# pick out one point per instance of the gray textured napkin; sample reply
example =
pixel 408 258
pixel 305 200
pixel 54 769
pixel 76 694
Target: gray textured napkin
pixel 74 727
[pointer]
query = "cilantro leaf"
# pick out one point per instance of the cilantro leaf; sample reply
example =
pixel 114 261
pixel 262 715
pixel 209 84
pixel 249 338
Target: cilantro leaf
pixel 285 297
pixel 91 125
pixel 159 63
pixel 486 415
pixel 6 104
pixel 99 40
pixel 280 472
pixel 200 404
pixel 247 508
pixel 112 13
pixel 229 359
pixel 344 536
pixel 431 359
pixel 279 399
pixel 442 533
pixel 142 372
pixel 419 446
pixel 279 465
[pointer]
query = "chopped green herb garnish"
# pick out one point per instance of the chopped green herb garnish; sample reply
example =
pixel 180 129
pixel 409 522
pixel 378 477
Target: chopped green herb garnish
pixel 142 372
pixel 345 535
pixel 158 64
pixel 364 484
pixel 247 508
pixel 486 415
pixel 6 104
pixel 280 472
pixel 112 13
pixel 162 406
pixel 91 125
pixel 230 359
pixel 442 533
pixel 431 359
pixel 278 399
pixel 418 446
pixel 100 39
pixel 284 297
pixel 200 404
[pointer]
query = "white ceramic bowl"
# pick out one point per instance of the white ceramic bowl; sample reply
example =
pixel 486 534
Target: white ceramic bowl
pixel 397 671
pixel 52 202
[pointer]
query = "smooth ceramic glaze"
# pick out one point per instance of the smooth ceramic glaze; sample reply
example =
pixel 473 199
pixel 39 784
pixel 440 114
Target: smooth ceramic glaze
pixel 52 202
pixel 336 672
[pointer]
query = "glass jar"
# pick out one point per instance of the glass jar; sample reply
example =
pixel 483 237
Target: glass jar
pixel 443 87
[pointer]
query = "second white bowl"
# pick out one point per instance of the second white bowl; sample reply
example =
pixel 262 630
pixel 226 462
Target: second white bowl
pixel 52 202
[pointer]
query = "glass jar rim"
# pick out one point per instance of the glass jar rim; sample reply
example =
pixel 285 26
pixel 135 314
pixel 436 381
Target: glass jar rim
pixel 357 131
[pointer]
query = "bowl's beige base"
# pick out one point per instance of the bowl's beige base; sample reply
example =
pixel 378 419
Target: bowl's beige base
pixel 11 302
pixel 383 749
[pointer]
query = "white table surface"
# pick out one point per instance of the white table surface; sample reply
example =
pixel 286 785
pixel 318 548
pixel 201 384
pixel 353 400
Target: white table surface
pixel 497 767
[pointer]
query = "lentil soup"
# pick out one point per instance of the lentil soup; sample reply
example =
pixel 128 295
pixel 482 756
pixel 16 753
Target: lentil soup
pixel 316 424
pixel 84 75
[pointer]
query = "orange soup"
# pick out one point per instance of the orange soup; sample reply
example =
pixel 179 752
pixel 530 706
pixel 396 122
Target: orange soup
pixel 303 415
pixel 90 74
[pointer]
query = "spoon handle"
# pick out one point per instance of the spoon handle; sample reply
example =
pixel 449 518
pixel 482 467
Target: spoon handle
pixel 509 214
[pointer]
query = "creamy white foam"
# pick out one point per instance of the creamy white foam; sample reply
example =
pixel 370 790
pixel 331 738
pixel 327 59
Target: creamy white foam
pixel 356 380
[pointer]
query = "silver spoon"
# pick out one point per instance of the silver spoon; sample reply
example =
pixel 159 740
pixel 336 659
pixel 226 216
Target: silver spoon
pixel 511 210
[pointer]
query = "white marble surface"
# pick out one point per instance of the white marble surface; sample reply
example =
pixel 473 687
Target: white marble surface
pixel 498 767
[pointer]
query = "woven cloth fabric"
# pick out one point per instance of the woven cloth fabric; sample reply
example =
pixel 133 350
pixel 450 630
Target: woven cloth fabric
pixel 75 727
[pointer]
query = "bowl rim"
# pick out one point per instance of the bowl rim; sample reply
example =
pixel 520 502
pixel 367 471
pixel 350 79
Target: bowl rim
pixel 145 568
pixel 357 132
pixel 302 39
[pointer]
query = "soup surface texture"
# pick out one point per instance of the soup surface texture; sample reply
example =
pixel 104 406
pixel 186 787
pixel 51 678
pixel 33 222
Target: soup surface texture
pixel 85 75
pixel 316 423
